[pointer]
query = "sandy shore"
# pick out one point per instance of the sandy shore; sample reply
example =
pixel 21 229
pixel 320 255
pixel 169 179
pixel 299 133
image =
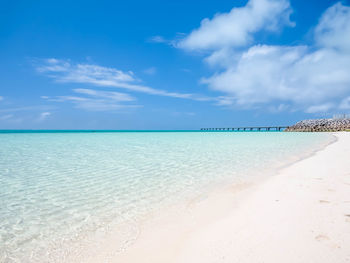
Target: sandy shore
pixel 302 214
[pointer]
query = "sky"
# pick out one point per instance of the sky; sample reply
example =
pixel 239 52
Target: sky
pixel 172 64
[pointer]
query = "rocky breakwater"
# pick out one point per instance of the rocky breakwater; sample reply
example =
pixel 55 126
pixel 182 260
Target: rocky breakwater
pixel 320 125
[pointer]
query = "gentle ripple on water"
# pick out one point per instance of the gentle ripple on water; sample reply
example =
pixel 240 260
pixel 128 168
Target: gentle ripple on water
pixel 60 187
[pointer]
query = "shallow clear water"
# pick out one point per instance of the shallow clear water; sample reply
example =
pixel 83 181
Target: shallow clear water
pixel 57 186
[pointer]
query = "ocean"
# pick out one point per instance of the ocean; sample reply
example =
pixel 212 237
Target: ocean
pixel 56 188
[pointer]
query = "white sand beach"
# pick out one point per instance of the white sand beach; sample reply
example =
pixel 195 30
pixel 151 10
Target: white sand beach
pixel 301 214
pixel 175 131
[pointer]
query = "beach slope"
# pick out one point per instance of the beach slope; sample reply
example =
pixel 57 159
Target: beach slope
pixel 300 215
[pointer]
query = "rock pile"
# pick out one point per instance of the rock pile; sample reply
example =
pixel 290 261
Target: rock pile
pixel 320 125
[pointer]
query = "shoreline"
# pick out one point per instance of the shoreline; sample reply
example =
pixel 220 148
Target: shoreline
pixel 300 215
pixel 204 236
pixel 102 236
pixel 186 237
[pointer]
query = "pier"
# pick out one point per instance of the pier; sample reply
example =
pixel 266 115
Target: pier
pixel 264 128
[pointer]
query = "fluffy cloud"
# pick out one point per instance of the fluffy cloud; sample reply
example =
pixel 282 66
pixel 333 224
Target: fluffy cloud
pixel 312 78
pixel 259 75
pixel 237 27
pixel 333 30
pixel 291 74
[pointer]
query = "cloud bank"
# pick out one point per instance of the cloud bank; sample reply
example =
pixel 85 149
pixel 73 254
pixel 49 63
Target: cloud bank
pixel 313 78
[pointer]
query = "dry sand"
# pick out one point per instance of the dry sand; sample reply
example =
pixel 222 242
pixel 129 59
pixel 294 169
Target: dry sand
pixel 302 214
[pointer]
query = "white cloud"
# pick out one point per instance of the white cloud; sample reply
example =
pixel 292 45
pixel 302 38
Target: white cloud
pixel 11 118
pixel 65 71
pixel 44 115
pixel 20 114
pixel 345 104
pixel 96 100
pixel 170 42
pixel 222 57
pixel 112 95
pixel 333 30
pixel 297 76
pixel 278 108
pixel 322 108
pixel 158 39
pixel 258 76
pixel 27 108
pixel 236 28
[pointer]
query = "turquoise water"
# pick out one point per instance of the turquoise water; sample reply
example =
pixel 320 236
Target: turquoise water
pixel 56 187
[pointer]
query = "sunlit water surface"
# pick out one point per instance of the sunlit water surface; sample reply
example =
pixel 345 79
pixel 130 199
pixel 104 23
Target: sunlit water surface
pixel 56 187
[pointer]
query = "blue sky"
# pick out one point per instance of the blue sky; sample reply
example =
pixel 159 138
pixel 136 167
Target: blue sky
pixel 172 65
